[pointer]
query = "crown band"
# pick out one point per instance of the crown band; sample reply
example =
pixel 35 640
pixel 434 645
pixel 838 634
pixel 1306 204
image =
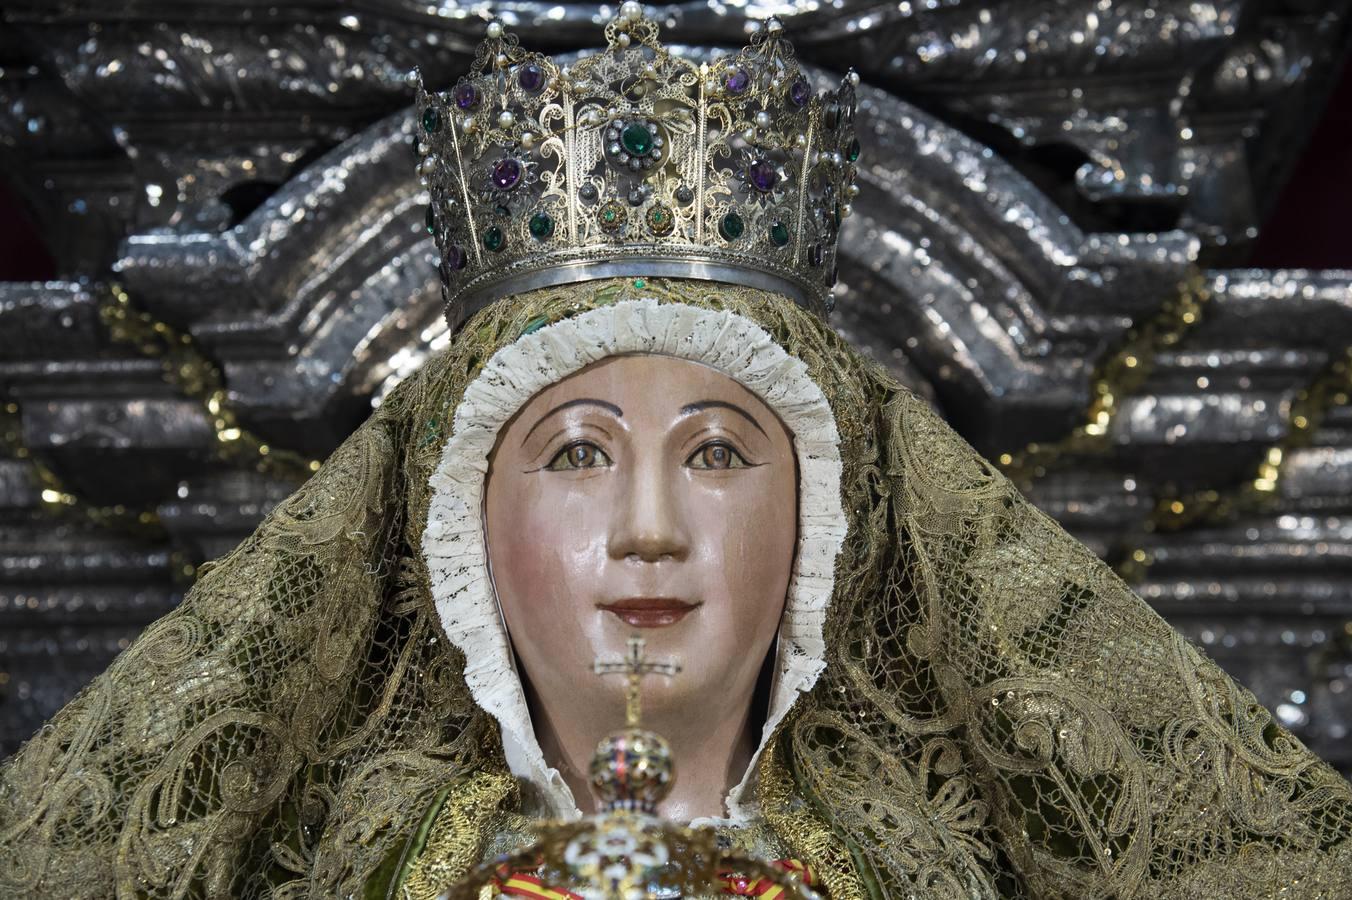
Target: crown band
pixel 493 286
pixel 634 161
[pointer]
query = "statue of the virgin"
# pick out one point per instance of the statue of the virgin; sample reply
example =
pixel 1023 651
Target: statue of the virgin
pixel 895 670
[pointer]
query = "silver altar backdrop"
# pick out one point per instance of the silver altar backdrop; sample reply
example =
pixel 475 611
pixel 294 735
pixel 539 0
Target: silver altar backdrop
pixel 1038 178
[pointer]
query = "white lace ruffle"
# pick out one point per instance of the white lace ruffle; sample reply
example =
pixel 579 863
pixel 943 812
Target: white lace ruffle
pixel 453 543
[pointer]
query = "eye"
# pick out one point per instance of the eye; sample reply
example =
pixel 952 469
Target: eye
pixel 579 455
pixel 716 455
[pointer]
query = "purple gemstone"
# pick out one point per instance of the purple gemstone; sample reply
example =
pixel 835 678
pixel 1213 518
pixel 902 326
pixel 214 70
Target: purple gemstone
pixel 531 78
pixel 466 95
pixel 800 92
pixel 762 175
pixel 455 257
pixel 506 173
pixel 737 81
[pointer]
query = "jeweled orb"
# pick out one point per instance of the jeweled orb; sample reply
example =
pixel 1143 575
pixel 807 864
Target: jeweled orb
pixel 431 120
pixel 494 238
pixel 541 225
pixel 506 173
pixel 466 95
pixel 632 769
pixel 731 226
pixel 762 175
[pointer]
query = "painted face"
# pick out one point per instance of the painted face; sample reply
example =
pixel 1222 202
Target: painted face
pixel 648 495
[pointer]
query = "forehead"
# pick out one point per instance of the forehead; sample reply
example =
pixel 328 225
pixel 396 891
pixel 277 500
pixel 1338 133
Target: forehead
pixel 661 383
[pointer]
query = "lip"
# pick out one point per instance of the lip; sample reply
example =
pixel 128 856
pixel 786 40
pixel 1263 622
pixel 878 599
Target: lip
pixel 649 612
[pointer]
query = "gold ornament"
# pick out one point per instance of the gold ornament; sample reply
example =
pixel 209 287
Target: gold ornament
pixel 1117 377
pixel 1331 388
pixel 189 370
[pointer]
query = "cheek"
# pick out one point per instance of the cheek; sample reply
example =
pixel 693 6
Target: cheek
pixel 749 539
pixel 543 547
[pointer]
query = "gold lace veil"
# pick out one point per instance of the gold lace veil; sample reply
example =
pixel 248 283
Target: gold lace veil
pixel 998 716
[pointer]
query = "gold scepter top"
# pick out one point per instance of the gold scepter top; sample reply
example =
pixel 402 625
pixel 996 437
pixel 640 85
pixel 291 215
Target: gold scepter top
pixel 632 768
pixel 626 851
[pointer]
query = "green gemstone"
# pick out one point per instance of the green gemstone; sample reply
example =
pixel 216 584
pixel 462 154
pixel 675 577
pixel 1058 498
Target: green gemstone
pixel 636 139
pixel 779 234
pixel 541 225
pixel 432 120
pixel 640 283
pixel 431 220
pixel 852 152
pixel 494 239
pixel 731 227
pixel 610 215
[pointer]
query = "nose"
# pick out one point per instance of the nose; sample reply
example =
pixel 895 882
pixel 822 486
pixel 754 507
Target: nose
pixel 648 521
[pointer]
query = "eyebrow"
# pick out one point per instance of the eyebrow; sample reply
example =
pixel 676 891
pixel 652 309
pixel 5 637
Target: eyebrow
pixel 720 404
pixel 581 401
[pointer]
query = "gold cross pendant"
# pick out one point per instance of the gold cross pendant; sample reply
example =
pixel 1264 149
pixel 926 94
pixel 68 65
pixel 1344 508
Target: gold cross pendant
pixel 634 666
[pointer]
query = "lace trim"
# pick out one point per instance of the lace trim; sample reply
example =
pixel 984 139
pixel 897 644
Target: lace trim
pixel 453 543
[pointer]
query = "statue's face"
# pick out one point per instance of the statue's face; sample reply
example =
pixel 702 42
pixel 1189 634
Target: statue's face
pixel 649 495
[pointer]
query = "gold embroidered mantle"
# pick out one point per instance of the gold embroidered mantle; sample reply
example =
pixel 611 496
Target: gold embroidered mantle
pixel 999 714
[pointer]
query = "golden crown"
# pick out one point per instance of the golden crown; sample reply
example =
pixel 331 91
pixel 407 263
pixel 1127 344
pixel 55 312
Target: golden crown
pixel 634 161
